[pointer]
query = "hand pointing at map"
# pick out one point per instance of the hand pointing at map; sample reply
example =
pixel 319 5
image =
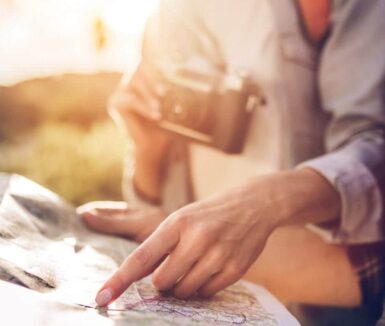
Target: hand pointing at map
pixel 208 245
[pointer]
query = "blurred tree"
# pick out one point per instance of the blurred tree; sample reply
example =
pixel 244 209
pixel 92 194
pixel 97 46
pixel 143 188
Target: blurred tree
pixel 76 99
pixel 56 131
pixel 81 166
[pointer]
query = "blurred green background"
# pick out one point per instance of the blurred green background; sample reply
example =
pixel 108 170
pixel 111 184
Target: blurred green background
pixel 54 128
pixel 56 131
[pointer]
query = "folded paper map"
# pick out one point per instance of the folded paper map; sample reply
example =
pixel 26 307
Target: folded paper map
pixel 44 246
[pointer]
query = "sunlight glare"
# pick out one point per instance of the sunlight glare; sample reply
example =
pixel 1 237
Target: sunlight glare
pixel 59 36
pixel 128 17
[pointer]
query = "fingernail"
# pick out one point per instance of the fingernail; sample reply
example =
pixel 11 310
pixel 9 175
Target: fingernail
pixel 103 297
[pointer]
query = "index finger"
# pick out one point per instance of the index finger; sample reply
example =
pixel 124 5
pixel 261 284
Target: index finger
pixel 140 263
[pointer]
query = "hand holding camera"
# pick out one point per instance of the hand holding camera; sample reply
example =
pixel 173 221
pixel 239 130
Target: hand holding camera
pixel 135 106
pixel 209 107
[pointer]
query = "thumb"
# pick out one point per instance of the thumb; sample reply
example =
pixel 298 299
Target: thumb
pixel 114 221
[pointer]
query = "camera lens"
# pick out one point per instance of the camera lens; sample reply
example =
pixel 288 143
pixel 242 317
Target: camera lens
pixel 180 112
pixel 185 108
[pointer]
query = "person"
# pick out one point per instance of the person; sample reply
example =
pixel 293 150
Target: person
pixel 300 211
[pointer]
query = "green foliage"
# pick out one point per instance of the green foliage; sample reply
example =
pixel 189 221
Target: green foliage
pixel 79 165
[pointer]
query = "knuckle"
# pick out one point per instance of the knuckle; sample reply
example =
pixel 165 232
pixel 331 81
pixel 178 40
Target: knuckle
pixel 235 270
pixel 159 281
pixel 185 288
pixel 120 280
pixel 201 229
pixel 142 255
pixel 207 232
pixel 220 252
pixel 218 258
pixel 167 224
pixel 182 220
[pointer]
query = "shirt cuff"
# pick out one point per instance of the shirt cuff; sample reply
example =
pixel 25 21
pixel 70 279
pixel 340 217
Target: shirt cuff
pixel 361 201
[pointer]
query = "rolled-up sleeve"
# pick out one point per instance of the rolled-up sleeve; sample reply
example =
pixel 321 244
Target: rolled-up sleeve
pixel 352 87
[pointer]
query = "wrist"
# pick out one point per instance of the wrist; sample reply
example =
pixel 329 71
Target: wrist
pixel 307 197
pixel 149 194
pixel 148 156
pixel 147 187
pixel 148 176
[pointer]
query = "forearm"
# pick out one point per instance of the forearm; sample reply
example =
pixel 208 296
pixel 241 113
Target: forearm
pixel 309 198
pixel 291 197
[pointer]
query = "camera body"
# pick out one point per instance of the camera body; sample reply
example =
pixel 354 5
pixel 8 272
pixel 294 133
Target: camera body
pixel 213 109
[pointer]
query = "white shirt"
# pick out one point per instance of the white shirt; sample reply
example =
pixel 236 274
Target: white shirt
pixel 325 106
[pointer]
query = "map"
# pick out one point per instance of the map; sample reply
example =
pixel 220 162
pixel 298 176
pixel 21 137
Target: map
pixel 44 246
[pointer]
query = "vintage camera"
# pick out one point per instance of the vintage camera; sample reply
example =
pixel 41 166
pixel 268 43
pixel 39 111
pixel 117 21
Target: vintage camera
pixel 213 109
